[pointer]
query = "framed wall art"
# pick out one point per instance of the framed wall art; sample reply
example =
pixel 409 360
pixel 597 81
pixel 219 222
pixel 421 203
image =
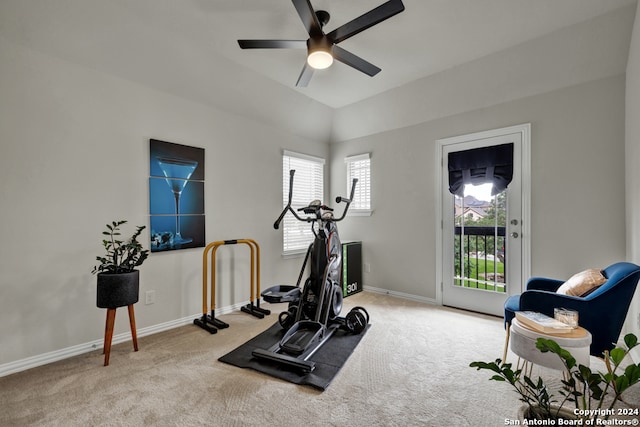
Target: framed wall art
pixel 176 196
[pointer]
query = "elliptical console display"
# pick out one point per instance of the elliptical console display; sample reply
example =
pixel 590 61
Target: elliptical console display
pixel 313 313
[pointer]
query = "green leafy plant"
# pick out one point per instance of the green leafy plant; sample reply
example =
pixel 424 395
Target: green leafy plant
pixel 587 389
pixel 588 394
pixel 122 256
pixel 535 394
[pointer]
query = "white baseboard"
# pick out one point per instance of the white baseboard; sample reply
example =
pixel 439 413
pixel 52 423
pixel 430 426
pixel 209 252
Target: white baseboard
pixel 65 353
pixel 400 295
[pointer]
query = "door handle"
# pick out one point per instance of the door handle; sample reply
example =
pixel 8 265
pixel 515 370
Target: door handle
pixel 514 235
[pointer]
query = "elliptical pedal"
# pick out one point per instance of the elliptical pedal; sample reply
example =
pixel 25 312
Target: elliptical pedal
pixel 301 335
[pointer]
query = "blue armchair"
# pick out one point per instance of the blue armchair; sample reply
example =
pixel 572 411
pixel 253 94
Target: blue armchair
pixel 602 312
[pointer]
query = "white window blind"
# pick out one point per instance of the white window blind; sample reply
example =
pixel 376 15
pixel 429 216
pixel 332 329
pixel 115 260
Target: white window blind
pixel 360 167
pixel 308 185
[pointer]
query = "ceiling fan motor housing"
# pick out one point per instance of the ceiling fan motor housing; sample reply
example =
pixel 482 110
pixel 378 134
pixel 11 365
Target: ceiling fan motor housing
pixel 319 52
pixel 319 43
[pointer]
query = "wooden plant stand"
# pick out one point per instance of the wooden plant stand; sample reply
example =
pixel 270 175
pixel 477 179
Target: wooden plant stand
pixel 108 332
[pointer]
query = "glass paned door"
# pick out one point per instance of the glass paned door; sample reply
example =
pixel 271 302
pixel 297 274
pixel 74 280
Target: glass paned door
pixel 481 246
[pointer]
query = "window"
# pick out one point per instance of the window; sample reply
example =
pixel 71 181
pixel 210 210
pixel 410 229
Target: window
pixel 359 167
pixel 308 185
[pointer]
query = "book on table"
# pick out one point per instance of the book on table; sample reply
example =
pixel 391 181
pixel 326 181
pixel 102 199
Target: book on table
pixel 542 322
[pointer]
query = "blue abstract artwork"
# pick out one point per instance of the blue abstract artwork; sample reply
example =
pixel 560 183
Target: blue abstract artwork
pixel 176 196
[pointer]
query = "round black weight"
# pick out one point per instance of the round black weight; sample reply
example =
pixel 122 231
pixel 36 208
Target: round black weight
pixel 356 321
pixel 363 310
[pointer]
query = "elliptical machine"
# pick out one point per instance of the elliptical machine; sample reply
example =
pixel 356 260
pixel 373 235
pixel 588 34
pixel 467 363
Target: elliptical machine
pixel 312 316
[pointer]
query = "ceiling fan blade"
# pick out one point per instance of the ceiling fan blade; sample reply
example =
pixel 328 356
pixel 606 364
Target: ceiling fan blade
pixel 308 16
pixel 273 44
pixel 369 19
pixel 305 76
pixel 354 61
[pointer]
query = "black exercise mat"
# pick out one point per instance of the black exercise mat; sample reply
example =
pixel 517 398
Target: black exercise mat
pixel 329 359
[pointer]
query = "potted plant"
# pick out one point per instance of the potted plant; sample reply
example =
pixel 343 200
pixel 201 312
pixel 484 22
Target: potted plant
pixel 118 280
pixel 585 396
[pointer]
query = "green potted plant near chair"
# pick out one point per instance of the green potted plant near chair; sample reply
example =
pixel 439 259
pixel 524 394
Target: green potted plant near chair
pixel 585 395
pixel 118 280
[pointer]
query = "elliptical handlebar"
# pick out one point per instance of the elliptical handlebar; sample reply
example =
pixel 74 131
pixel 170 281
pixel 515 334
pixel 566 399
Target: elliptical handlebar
pixel 288 207
pixel 347 201
pixel 276 224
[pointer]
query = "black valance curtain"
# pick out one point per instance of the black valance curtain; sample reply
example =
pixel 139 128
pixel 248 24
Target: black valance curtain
pixel 480 166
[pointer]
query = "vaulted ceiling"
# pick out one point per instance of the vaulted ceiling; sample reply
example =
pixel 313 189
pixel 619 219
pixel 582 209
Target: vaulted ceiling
pixel 189 47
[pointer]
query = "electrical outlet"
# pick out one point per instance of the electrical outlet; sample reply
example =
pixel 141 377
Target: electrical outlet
pixel 149 297
pixel 367 267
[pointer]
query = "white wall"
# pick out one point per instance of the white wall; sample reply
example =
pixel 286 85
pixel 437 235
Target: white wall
pixel 191 70
pixel 580 53
pixel 578 195
pixel 75 155
pixel 632 125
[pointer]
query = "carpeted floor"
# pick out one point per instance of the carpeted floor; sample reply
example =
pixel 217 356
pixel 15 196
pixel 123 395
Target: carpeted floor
pixel 327 360
pixel 410 369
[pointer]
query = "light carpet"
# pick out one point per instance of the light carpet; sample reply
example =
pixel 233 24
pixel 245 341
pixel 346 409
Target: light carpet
pixel 410 369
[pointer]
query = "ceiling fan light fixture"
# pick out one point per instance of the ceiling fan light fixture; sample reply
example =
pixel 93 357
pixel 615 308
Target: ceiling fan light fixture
pixel 320 59
pixel 319 53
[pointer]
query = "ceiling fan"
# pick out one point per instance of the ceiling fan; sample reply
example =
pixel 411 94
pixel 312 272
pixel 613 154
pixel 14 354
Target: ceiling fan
pixel 323 48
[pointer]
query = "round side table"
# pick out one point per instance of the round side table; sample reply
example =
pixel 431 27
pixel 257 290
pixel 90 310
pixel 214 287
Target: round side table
pixel 523 344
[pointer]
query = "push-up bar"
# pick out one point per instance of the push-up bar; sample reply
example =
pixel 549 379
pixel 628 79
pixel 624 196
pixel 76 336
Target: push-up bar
pixel 208 320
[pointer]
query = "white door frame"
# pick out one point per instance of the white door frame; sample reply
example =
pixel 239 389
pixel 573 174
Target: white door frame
pixel 525 131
